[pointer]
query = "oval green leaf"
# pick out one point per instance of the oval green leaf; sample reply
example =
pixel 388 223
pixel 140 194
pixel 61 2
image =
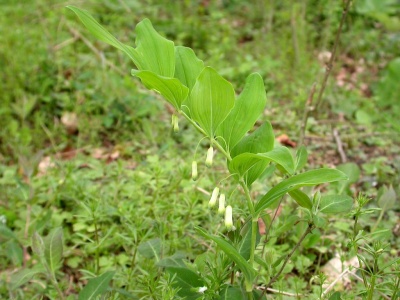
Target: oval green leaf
pixel 334 204
pixel 248 107
pixel 96 286
pixel 170 88
pixel 210 100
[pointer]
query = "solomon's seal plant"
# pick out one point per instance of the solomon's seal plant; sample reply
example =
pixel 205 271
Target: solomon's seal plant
pixel 208 101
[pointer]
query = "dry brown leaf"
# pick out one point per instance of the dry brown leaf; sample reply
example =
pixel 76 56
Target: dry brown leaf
pixel 286 141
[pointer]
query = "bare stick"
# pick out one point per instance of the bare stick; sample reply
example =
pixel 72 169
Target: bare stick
pixel 329 66
pixel 278 292
pixel 308 107
pixel 328 289
pixel 309 103
pixel 273 279
pixel 339 144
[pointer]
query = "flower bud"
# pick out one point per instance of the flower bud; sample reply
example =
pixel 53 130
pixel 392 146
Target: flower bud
pixel 173 119
pixel 210 154
pixel 214 197
pixel 194 170
pixel 228 218
pixel 221 208
pixel 175 123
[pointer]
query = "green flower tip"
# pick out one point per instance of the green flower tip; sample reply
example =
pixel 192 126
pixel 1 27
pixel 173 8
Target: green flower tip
pixel 228 218
pixel 210 154
pixel 194 170
pixel 221 208
pixel 175 123
pixel 214 197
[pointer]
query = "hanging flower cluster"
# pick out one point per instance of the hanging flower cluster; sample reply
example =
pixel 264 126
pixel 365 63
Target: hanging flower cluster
pixel 222 209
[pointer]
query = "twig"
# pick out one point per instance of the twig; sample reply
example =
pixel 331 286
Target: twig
pixel 328 289
pixel 203 191
pixel 273 279
pixel 329 66
pixel 278 292
pixel 339 144
pixel 307 108
pixel 65 43
pixel 309 103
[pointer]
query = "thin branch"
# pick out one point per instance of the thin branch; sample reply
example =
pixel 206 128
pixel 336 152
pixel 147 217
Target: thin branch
pixel 328 289
pixel 273 279
pixel 329 66
pixel 308 107
pixel 278 292
pixel 339 145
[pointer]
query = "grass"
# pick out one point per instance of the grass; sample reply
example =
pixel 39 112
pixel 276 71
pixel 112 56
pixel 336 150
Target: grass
pixel 120 184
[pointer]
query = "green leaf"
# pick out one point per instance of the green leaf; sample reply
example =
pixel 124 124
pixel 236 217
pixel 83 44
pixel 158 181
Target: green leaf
pixel 23 276
pixel 232 293
pixel 310 178
pixel 260 141
pixel 96 286
pixel 187 281
pixel 103 35
pixel 334 204
pixel 151 248
pixel 388 198
pixel 175 260
pixel 210 100
pixel 187 66
pixel 245 243
pixel 153 52
pixel 157 52
pixel 280 155
pixel 335 296
pixel 248 107
pixel 232 253
pixel 301 198
pixel 53 250
pixel 14 252
pixel 171 88
pixel 6 233
pixel 301 158
pixel 38 245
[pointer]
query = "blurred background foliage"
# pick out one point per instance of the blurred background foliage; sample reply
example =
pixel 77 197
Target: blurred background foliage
pixel 65 95
pixel 50 65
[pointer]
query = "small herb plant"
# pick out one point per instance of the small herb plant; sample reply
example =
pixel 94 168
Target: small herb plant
pixel 208 102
